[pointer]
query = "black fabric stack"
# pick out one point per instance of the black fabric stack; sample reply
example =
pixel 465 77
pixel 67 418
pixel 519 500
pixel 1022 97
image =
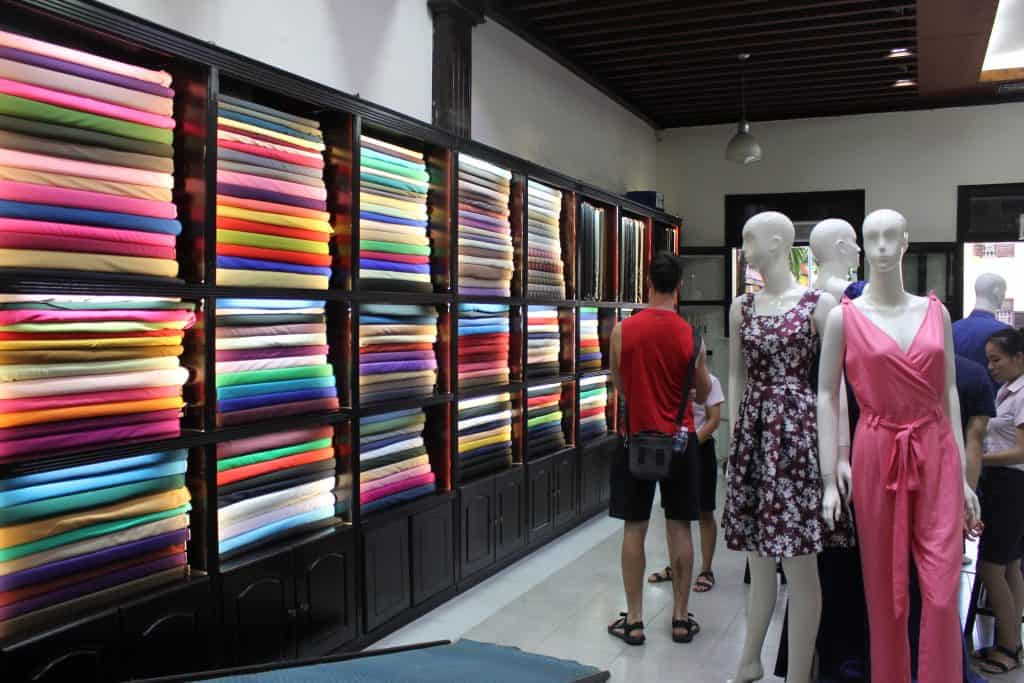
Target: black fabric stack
pixel 593 250
pixel 544 420
pixel 485 435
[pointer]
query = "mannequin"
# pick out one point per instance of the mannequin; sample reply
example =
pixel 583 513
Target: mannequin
pixel 909 484
pixel 989 290
pixel 834 245
pixel 767 240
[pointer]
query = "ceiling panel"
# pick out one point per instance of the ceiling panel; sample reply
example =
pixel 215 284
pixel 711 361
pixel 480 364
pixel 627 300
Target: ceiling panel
pixel 675 63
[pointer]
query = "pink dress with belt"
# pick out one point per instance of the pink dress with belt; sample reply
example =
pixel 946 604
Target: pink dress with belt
pixel 908 493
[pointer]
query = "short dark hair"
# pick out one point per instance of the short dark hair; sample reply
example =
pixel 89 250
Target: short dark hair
pixel 1009 341
pixel 666 272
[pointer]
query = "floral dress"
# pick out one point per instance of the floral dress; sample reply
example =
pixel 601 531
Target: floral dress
pixel 774 491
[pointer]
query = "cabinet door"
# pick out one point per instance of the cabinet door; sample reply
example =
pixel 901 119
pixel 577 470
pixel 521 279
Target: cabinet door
pixel 259 611
pixel 607 453
pixel 325 593
pixel 566 489
pixel 541 482
pixel 387 590
pixel 476 502
pixel 590 479
pixel 510 509
pixel 171 633
pixel 84 652
pixel 433 552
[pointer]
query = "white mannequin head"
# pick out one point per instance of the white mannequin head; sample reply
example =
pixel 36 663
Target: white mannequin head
pixel 767 239
pixel 990 290
pixel 834 242
pixel 885 240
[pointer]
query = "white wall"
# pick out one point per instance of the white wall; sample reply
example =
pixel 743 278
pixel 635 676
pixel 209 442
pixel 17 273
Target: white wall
pixel 527 104
pixel 380 49
pixel 908 161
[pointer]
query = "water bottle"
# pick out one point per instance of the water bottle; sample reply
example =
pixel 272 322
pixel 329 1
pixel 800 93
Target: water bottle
pixel 680 440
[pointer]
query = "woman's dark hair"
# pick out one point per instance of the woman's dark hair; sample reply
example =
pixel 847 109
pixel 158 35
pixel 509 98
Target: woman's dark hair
pixel 666 272
pixel 1009 341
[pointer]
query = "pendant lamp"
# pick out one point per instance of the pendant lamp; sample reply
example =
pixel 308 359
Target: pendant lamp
pixel 743 148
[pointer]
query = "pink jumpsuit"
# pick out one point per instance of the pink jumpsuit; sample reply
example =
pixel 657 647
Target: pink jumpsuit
pixel 907 493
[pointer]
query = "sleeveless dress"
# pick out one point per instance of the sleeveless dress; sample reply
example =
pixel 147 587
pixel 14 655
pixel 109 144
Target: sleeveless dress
pixel 773 498
pixel 908 493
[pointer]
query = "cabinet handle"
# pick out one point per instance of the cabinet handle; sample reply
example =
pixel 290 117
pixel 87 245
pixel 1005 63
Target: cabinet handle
pixel 292 613
pixel 304 607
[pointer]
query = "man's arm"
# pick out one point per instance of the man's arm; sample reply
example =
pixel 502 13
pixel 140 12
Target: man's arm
pixel 702 377
pixel 616 359
pixel 977 425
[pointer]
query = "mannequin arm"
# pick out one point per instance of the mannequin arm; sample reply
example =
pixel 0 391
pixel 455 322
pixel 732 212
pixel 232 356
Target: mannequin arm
pixel 830 371
pixel 972 509
pixel 737 366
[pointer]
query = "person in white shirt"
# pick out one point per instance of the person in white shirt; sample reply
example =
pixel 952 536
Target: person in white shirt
pixel 706 418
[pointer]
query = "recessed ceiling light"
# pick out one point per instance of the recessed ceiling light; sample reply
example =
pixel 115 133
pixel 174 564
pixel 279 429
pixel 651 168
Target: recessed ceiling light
pixel 1006 43
pixel 904 83
pixel 899 53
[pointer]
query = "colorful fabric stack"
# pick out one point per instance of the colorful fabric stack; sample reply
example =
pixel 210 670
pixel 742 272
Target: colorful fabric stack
pixel 272 220
pixel 543 341
pixel 79 371
pixel 593 404
pixel 545 258
pixel 590 343
pixel 485 435
pixel 396 352
pixel 485 234
pixel 394 466
pixel 273 485
pixel 272 360
pixel 483 345
pixel 67 535
pixel 86 162
pixel 544 433
pixel 394 245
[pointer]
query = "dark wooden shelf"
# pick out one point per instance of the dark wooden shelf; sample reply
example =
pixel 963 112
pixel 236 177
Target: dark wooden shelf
pixel 549 379
pixel 595 373
pixel 406 509
pixel 384 296
pixel 404 404
pixel 284 544
pixel 474 392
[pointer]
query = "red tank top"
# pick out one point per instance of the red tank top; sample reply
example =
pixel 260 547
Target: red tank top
pixel 657 345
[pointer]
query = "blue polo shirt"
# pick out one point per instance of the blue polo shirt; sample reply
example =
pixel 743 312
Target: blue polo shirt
pixel 971 333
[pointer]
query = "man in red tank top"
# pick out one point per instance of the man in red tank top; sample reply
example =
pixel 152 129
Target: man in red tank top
pixel 650 356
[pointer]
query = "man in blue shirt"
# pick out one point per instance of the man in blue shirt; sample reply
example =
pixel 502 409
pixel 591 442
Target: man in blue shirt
pixel 971 333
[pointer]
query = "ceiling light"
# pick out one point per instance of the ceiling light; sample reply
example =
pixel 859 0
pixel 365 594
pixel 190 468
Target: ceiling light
pixel 743 148
pixel 899 53
pixel 904 83
pixel 1006 42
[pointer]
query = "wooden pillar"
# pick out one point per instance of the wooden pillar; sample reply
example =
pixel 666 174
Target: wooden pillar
pixel 453 62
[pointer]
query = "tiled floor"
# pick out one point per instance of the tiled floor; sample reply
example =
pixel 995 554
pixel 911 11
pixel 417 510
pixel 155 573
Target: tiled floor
pixel 557 602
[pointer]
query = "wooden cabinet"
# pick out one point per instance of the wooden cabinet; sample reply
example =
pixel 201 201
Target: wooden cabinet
pixel 300 602
pixel 83 652
pixel 540 497
pixel 170 632
pixel 476 504
pixel 566 505
pixel 595 463
pixel 510 512
pixel 387 589
pixel 433 559
pixel 325 594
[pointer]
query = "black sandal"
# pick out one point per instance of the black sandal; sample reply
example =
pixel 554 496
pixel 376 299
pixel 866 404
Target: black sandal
pixel 705 582
pixel 998 668
pixel 623 631
pixel 660 577
pixel 691 626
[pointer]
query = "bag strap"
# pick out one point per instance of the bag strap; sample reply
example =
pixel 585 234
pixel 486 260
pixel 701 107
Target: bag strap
pixel 698 341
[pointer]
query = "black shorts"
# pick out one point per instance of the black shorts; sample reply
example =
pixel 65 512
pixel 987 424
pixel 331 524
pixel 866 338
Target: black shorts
pixel 1002 511
pixel 632 498
pixel 708 476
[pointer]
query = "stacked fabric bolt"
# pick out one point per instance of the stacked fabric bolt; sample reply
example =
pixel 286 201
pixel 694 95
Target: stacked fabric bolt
pixel 590 342
pixel 485 234
pixel 272 220
pixel 545 258
pixel 593 241
pixel 543 340
pixel 274 484
pixel 67 535
pixel 394 466
pixel 593 403
pixel 396 351
pixel 483 344
pixel 85 162
pixel 485 435
pixel 271 360
pixel 394 246
pixel 632 257
pixel 78 371
pixel 544 420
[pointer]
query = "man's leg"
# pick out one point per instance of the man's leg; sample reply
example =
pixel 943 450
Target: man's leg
pixel 680 551
pixel 634 563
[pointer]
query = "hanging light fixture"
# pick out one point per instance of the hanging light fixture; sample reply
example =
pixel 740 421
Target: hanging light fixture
pixel 743 148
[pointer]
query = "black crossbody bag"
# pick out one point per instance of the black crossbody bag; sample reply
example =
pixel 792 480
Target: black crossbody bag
pixel 651 453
